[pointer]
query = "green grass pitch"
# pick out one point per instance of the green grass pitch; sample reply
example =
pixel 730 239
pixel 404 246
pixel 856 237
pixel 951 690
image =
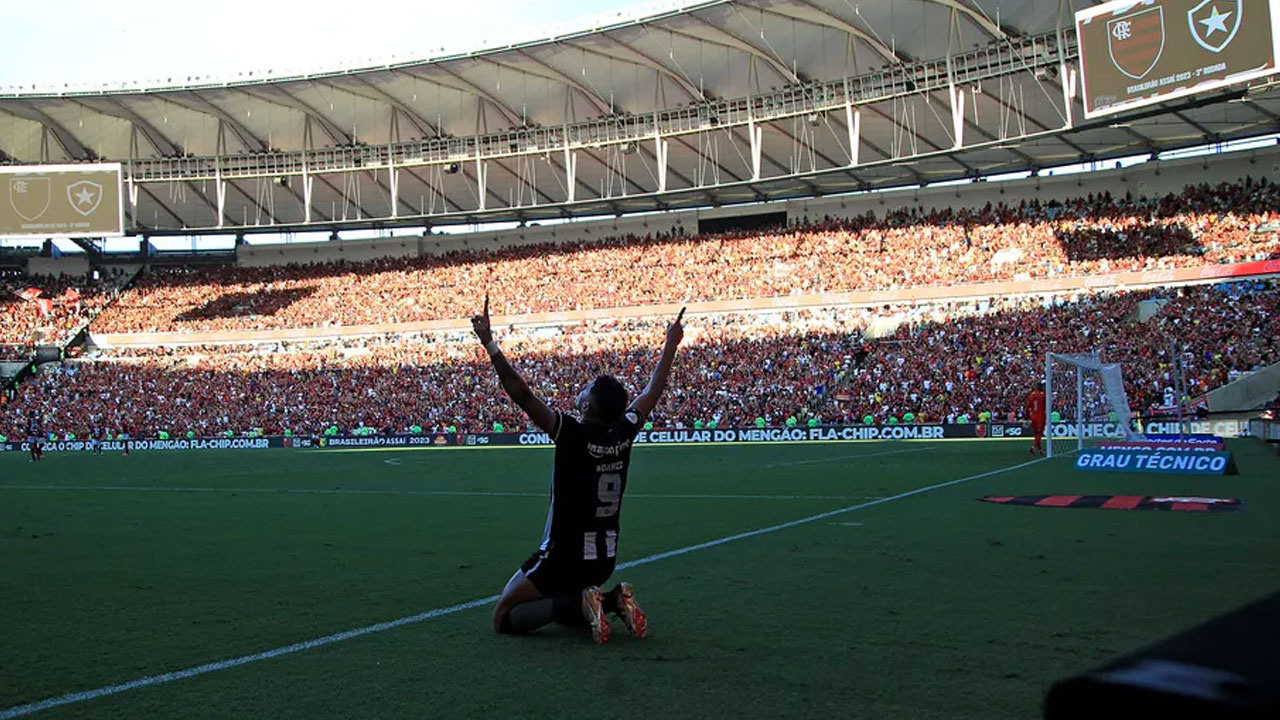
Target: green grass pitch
pixel 928 606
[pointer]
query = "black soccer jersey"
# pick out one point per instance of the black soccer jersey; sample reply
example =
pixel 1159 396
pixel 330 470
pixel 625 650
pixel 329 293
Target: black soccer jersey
pixel 586 490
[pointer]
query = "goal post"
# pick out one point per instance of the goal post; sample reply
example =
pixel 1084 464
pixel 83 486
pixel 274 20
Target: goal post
pixel 1082 388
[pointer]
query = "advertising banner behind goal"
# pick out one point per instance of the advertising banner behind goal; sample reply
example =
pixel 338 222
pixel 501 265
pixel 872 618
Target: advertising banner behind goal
pixel 48 200
pixel 1138 53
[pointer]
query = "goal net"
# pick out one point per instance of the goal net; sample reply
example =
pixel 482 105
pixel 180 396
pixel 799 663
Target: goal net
pixel 1083 393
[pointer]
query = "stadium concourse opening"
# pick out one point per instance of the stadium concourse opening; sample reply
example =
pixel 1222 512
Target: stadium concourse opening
pixel 762 221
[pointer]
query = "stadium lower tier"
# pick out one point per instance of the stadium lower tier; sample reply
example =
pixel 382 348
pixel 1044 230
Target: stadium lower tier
pixel 941 363
pixel 1081 236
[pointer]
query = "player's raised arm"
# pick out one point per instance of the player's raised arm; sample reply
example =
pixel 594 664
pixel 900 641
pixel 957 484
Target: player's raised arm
pixel 648 399
pixel 512 383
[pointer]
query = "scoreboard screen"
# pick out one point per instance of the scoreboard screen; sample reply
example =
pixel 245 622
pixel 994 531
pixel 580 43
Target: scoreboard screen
pixel 1137 53
pixel 50 200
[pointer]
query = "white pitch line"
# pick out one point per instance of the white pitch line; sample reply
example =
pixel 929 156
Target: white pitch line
pixel 844 457
pixel 150 680
pixel 437 493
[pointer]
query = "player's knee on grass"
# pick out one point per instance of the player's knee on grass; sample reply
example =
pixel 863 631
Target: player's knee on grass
pixel 501 620
pixel 502 617
pixel 518 590
pixel 527 617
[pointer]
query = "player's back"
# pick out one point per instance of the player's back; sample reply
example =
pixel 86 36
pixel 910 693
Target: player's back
pixel 586 491
pixel 1035 404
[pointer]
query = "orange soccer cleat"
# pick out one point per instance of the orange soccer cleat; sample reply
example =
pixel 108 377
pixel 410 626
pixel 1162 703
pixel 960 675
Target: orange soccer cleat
pixel 629 611
pixel 593 611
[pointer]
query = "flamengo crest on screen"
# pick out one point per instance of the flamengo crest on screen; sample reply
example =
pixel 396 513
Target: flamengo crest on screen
pixel 29 196
pixel 1136 41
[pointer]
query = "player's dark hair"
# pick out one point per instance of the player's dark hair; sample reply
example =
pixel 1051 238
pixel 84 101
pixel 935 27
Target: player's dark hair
pixel 609 398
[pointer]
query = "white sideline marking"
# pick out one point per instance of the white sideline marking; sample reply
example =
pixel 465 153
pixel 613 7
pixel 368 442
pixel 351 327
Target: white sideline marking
pixel 446 493
pixel 843 457
pixel 391 461
pixel 71 698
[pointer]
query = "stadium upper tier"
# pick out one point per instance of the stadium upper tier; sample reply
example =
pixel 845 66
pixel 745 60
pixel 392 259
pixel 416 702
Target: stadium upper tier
pixel 1080 236
pixel 725 101
pixel 943 362
pixel 47 311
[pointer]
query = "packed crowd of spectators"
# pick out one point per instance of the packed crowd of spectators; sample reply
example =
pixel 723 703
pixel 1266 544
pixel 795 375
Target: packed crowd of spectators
pixel 958 365
pixel 47 310
pixel 1096 233
pixel 940 363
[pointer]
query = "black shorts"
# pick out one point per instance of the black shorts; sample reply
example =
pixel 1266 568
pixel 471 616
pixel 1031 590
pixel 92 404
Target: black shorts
pixel 554 575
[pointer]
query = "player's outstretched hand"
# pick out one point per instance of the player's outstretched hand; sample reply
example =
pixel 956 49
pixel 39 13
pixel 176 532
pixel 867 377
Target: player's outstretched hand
pixel 480 324
pixel 675 331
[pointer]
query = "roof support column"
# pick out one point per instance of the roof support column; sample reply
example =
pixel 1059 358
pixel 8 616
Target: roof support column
pixel 1068 75
pixel 308 184
pixel 394 172
pixel 220 189
pixel 756 134
pixel 853 121
pixel 133 189
pixel 307 180
pixel 570 170
pixel 482 177
pixel 661 146
pixel 1065 71
pixel 954 94
pixel 957 114
pixel 133 200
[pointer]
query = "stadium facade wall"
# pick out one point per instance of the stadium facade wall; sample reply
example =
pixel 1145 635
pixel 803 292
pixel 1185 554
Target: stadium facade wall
pixel 68 265
pixel 1152 178
pixel 348 250
pixel 585 231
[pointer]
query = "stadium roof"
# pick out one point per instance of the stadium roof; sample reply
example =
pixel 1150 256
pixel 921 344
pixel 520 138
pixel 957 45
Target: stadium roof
pixel 691 63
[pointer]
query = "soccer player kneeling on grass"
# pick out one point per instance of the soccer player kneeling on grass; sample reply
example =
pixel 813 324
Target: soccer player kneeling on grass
pixel 560 582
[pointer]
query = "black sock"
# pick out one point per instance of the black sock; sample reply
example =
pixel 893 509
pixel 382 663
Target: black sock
pixel 527 617
pixel 610 603
pixel 567 610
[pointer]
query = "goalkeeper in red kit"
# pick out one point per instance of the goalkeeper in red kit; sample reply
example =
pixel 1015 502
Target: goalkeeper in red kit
pixel 1035 408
